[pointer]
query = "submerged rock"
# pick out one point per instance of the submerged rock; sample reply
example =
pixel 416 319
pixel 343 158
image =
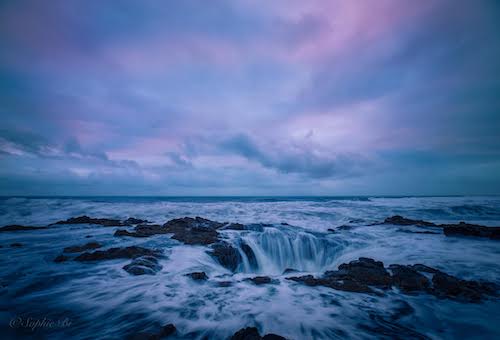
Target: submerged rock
pixel 145 265
pixel 466 229
pixel 61 258
pixel 252 333
pixel 132 220
pixel 79 249
pixel 89 220
pixel 198 276
pixel 16 245
pixel 16 227
pixel 226 255
pixel 399 220
pixel 262 280
pixel 117 253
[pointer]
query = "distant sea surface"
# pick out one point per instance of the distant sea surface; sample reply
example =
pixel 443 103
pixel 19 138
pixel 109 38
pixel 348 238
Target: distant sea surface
pixel 104 301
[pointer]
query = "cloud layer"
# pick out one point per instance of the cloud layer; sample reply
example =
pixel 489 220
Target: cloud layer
pixel 249 97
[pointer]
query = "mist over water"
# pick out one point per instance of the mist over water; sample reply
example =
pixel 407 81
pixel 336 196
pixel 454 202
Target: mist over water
pixel 104 301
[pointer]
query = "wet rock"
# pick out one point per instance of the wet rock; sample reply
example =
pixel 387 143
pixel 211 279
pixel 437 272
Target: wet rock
pixel 408 279
pixel 89 220
pixel 198 276
pixel 248 333
pixel 331 280
pixel 165 332
pixel 193 230
pixel 448 286
pixel 88 236
pixel 79 249
pixel 423 268
pixel 15 227
pixel 224 284
pixel 16 245
pixel 262 280
pixel 330 230
pixel 61 258
pixel 367 271
pixel 132 220
pixel 145 265
pixel 289 271
pixel 234 226
pixel 252 260
pixel 252 333
pixel 399 220
pixel 466 229
pixel 228 256
pixel 117 253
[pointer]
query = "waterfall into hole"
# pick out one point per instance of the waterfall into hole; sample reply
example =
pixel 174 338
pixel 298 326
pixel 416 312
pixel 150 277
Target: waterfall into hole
pixel 273 250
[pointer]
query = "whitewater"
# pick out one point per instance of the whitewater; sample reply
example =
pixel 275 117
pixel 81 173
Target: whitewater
pixel 309 235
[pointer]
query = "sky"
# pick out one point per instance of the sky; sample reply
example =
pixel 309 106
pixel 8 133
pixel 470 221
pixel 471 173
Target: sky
pixel 249 97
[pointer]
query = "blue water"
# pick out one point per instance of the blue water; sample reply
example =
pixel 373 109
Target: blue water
pixel 103 301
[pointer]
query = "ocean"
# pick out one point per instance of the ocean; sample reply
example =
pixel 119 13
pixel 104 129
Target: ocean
pixel 311 235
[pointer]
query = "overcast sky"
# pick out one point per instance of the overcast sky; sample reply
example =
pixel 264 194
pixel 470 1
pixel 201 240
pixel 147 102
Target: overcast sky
pixel 249 97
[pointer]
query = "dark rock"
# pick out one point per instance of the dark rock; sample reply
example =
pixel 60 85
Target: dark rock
pixel 117 253
pixel 224 284
pixel 289 271
pixel 79 249
pixel 408 279
pixel 367 271
pixel 345 227
pixel 227 255
pixel 272 336
pixel 16 245
pixel 331 230
pixel 132 220
pixel 61 258
pixel 193 230
pixel 88 220
pixel 399 220
pixel 262 280
pixel 88 236
pixel 165 332
pixel 198 276
pixel 248 333
pixel 252 333
pixel 252 260
pixel 448 286
pixel 423 268
pixel 122 232
pixel 466 229
pixel 145 265
pixel 15 227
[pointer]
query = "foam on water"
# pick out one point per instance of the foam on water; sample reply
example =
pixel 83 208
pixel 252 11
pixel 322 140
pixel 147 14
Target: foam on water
pixel 104 300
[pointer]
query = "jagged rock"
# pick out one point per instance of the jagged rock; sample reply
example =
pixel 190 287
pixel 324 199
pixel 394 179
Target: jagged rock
pixel 132 220
pixel 79 249
pixel 262 280
pixel 227 255
pixel 423 268
pixel 367 271
pixel 466 229
pixel 198 276
pixel 252 333
pixel 399 220
pixel 89 220
pixel 16 227
pixel 330 279
pixel 193 230
pixel 448 286
pixel 408 279
pixel 61 258
pixel 252 260
pixel 165 332
pixel 117 253
pixel 145 265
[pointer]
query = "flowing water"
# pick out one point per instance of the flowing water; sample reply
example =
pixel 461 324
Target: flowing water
pixel 101 300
